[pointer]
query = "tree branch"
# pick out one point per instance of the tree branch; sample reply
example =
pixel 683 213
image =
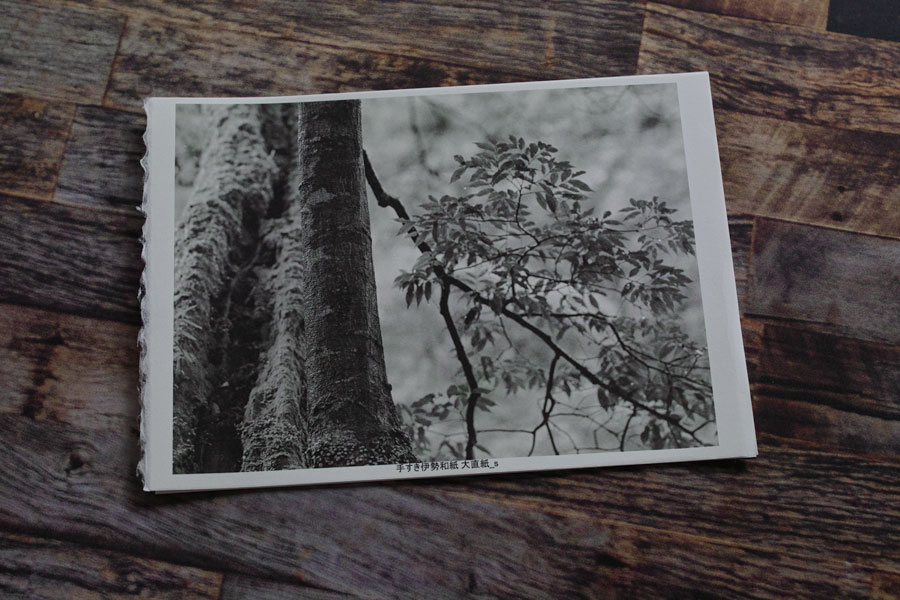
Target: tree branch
pixel 472 401
pixel 386 200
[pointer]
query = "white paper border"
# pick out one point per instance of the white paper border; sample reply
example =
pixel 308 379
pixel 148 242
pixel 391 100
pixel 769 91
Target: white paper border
pixel 731 391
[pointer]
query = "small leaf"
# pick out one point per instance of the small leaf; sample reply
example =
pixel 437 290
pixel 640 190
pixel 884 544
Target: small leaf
pixel 580 185
pixel 457 173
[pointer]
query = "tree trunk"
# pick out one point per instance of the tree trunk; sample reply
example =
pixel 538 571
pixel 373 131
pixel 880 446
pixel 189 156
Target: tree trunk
pixel 278 355
pixel 350 415
pixel 233 189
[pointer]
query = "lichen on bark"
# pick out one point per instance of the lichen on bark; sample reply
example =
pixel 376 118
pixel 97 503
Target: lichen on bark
pixel 233 189
pixel 278 354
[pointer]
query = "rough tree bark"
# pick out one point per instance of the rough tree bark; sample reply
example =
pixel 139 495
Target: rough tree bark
pixel 233 188
pixel 278 355
pixel 351 417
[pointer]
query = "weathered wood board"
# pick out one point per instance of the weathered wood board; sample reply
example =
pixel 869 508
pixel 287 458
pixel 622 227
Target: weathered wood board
pixel 34 568
pixel 57 367
pixel 33 137
pixel 803 13
pixel 827 392
pixel 57 52
pixel 69 258
pixel 577 39
pixel 163 58
pixel 810 174
pixel 476 528
pixel 848 281
pixel 778 71
pixel 102 163
pixel 82 483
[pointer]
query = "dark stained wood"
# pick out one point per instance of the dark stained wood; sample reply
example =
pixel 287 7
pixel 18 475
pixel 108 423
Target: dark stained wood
pixel 33 136
pixel 576 532
pixel 848 281
pixel 70 259
pixel 36 568
pixel 57 52
pixel 238 587
pixel 826 392
pixel 740 229
pixel 808 125
pixel 69 369
pixel 811 174
pixel 163 58
pixel 618 522
pixel 803 13
pixel 541 41
pixel 102 163
pixel 778 71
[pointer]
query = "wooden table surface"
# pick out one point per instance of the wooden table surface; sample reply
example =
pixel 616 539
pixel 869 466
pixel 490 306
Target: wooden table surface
pixel 809 133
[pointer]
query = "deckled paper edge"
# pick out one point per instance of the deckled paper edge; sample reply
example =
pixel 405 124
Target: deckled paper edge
pixel 142 301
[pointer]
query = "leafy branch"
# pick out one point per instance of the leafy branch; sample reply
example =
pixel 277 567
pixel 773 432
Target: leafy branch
pixel 523 244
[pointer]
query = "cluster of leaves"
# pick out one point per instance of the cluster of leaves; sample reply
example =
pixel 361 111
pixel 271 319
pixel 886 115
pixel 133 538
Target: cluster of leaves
pixel 526 239
pixel 441 407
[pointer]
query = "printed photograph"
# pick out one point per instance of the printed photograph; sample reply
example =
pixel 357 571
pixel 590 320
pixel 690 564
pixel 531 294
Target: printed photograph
pixel 431 278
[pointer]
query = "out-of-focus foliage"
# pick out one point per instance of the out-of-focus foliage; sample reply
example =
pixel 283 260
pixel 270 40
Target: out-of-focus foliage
pixel 601 289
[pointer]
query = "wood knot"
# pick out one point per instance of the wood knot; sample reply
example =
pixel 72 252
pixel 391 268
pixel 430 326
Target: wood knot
pixel 77 460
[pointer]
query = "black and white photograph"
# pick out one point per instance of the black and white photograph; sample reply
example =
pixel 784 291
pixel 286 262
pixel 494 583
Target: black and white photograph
pixel 438 283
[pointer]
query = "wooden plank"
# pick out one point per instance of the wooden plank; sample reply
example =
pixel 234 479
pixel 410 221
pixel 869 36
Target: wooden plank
pixel 165 58
pixel 568 536
pixel 812 14
pixel 57 52
pixel 885 586
pixel 740 229
pixel 36 568
pixel 827 392
pixel 32 139
pixel 67 478
pixel 79 260
pixel 532 41
pixel 239 587
pixel 102 160
pixel 772 501
pixel 811 174
pixel 779 71
pixel 848 281
pixel 74 370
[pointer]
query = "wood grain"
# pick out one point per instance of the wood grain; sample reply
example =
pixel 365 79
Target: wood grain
pixel 74 260
pixel 827 392
pixel 803 13
pixel 238 587
pixel 33 136
pixel 476 528
pixel 779 71
pixel 102 162
pixel 540 41
pixel 57 52
pixel 57 367
pixel 740 230
pixel 162 58
pixel 811 174
pixel 36 568
pixel 817 274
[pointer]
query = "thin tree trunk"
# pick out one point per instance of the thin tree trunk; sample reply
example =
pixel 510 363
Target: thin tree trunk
pixel 350 416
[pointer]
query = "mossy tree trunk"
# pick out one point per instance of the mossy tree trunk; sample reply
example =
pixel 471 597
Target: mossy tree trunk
pixel 278 355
